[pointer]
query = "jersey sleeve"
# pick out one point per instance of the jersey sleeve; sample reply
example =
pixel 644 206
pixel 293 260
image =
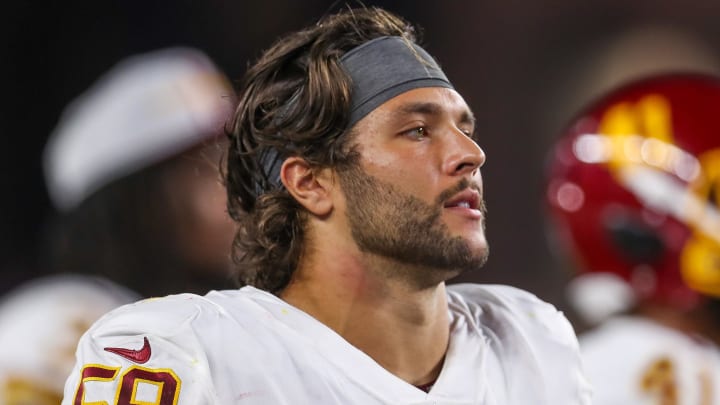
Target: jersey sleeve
pixel 533 332
pixel 554 342
pixel 144 353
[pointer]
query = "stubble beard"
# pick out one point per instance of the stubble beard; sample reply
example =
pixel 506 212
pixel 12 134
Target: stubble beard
pixel 398 226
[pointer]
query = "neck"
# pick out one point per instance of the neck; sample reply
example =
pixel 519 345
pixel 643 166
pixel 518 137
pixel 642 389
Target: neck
pixel 403 328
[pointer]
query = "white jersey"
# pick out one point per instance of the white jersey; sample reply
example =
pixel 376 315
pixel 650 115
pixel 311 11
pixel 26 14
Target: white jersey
pixel 632 360
pixel 247 346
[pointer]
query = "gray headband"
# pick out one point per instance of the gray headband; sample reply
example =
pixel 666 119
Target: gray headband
pixel 380 69
pixel 386 67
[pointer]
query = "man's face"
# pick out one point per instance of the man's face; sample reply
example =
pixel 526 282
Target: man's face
pixel 416 194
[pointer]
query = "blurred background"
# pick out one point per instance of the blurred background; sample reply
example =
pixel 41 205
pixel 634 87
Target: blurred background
pixel 524 67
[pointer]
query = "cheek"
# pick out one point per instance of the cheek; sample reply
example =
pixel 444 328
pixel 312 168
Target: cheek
pixel 402 165
pixel 378 160
pixel 408 178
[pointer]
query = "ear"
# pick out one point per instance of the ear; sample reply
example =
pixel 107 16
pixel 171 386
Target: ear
pixel 311 188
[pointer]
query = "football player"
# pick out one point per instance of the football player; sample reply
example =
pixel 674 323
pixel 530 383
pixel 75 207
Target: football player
pixel 147 128
pixel 354 174
pixel 633 192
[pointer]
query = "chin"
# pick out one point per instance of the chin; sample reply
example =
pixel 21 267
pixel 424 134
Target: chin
pixel 476 242
pixel 482 251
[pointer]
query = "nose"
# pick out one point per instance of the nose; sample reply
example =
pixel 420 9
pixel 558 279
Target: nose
pixel 463 154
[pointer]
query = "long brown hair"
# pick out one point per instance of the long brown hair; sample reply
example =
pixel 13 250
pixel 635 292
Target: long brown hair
pixel 295 101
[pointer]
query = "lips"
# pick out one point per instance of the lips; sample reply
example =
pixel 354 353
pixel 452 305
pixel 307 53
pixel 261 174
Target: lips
pixel 465 199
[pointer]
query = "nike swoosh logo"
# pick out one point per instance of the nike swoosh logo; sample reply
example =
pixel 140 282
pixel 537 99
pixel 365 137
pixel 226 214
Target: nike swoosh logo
pixel 139 356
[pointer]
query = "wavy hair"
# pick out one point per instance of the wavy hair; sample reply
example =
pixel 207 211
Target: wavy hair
pixel 295 101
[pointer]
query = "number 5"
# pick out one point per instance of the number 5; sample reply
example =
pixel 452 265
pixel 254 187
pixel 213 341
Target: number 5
pixel 165 382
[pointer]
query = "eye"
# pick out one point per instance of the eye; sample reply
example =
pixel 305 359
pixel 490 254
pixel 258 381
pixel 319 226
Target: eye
pixel 469 131
pixel 472 134
pixel 417 133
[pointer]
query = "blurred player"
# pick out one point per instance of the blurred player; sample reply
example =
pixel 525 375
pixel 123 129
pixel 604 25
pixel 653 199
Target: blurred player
pixel 354 173
pixel 40 324
pixel 133 169
pixel 634 191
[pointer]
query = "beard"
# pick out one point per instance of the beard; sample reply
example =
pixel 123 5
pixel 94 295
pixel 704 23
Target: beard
pixel 398 226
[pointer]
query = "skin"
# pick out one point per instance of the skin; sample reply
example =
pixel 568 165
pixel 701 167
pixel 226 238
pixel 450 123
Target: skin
pixel 419 144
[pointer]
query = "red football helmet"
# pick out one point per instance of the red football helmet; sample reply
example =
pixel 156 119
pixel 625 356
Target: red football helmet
pixel 634 188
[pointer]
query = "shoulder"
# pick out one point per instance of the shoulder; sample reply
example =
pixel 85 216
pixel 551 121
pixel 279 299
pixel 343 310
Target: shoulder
pixel 164 315
pixel 157 314
pixel 490 304
pixel 528 338
pixel 497 294
pixel 171 340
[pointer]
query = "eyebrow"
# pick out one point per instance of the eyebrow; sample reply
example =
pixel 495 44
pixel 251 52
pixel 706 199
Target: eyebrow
pixel 430 108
